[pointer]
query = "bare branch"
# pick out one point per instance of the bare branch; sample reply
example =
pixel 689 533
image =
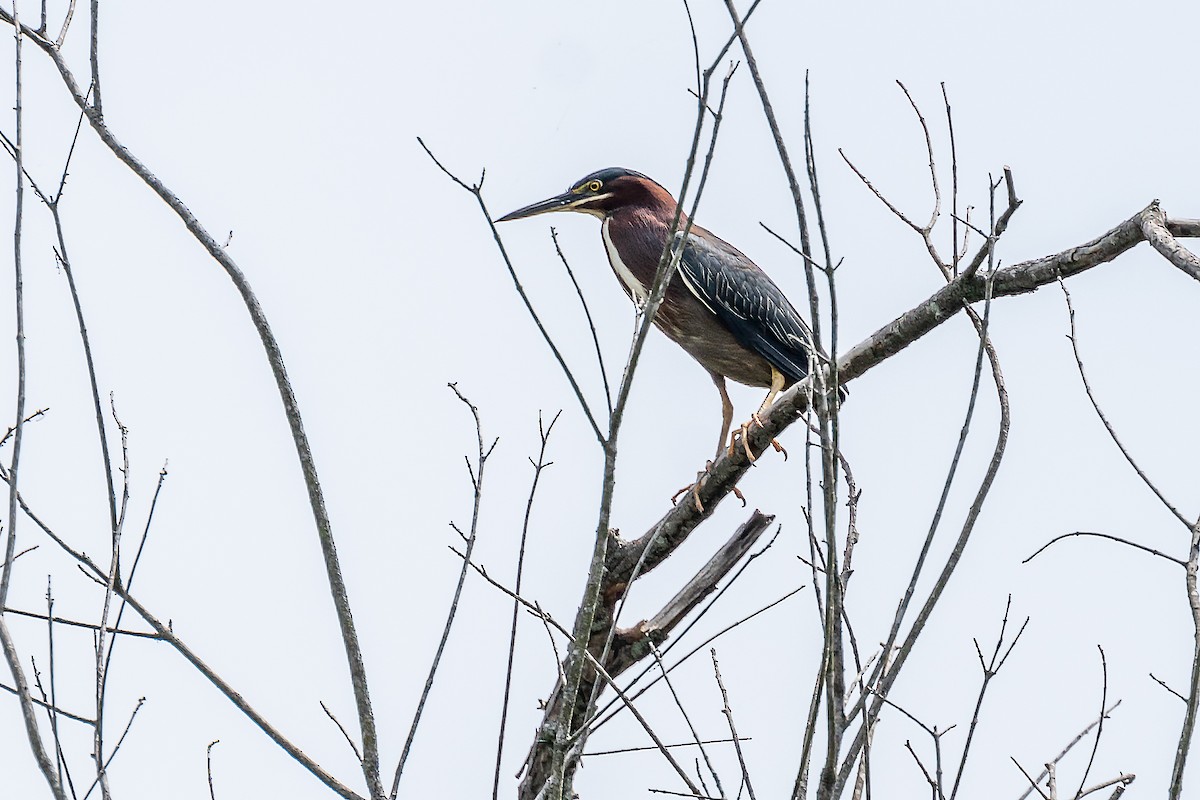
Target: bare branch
pixel 1164 685
pixel 687 719
pixel 1110 537
pixel 274 355
pixel 587 313
pixel 1112 433
pixel 353 747
pixel 1070 745
pixel 622 750
pixel 1154 228
pixel 990 669
pixel 476 191
pixel 212 795
pixel 538 467
pixel 691 653
pixel 1124 779
pixel 78 624
pixel 728 712
pixel 1032 783
pixel 477 489
pixel 49 706
pixel 594 664
pixel 1184 745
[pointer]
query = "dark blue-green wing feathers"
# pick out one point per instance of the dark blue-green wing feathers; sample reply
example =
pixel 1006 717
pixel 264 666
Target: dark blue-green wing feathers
pixel 748 303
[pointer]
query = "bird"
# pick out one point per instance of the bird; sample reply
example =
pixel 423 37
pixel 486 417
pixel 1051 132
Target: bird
pixel 720 307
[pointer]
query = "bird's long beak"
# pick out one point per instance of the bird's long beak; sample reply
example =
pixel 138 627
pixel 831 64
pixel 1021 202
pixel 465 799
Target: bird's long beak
pixel 563 202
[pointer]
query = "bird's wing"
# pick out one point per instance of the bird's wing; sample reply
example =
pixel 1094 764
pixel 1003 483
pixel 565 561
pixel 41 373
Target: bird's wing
pixel 747 302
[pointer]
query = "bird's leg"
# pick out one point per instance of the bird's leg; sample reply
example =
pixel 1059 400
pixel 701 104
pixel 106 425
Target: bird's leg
pixel 726 413
pixel 726 423
pixel 777 381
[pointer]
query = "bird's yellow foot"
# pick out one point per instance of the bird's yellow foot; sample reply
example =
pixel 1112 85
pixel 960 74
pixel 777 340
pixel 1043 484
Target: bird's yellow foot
pixel 701 477
pixel 744 430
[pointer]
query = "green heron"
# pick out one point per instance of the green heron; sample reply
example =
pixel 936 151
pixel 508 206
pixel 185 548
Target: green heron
pixel 724 311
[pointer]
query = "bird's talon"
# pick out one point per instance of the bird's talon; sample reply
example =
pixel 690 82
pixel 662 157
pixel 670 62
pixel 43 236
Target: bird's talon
pixel 701 477
pixel 746 443
pixel 738 494
pixel 779 448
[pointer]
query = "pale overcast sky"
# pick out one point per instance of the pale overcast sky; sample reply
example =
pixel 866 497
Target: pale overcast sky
pixel 295 128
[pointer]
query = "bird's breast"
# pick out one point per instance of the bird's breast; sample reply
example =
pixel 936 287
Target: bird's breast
pixel 636 288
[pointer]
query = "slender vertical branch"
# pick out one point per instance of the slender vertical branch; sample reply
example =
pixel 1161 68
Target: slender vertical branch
pixel 1193 698
pixel 587 312
pixel 538 466
pixel 990 669
pixel 94 52
pixel 19 301
pixel 688 720
pixel 11 656
pixel 728 712
pixel 64 261
pixel 212 794
pixel 477 490
pixel 103 649
pixel 52 712
pixel 1100 727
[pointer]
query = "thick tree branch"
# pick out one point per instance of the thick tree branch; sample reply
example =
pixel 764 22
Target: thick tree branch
pixel 674 527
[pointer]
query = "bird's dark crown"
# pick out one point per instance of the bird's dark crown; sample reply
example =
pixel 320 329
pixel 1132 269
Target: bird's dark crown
pixel 613 188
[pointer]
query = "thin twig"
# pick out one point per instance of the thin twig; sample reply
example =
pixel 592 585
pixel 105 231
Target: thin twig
pixel 337 586
pixel 687 719
pixel 1112 433
pixel 1032 783
pixel 165 632
pixel 593 663
pixel 538 466
pixel 212 795
pixel 1111 538
pixel 587 312
pixel 102 777
pixel 1100 726
pixel 103 652
pixel 476 191
pixel 643 749
pixel 50 706
pixel 1188 728
pixel 728 712
pixel 695 619
pixel 342 728
pixel 1164 685
pixel 79 624
pixel 1070 745
pixel 477 490
pixel 991 669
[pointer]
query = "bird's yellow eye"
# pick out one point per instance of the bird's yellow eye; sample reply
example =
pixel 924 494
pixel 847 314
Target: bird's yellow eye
pixel 593 186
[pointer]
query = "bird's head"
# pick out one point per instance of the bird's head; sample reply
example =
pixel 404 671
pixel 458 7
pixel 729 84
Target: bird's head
pixel 600 194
